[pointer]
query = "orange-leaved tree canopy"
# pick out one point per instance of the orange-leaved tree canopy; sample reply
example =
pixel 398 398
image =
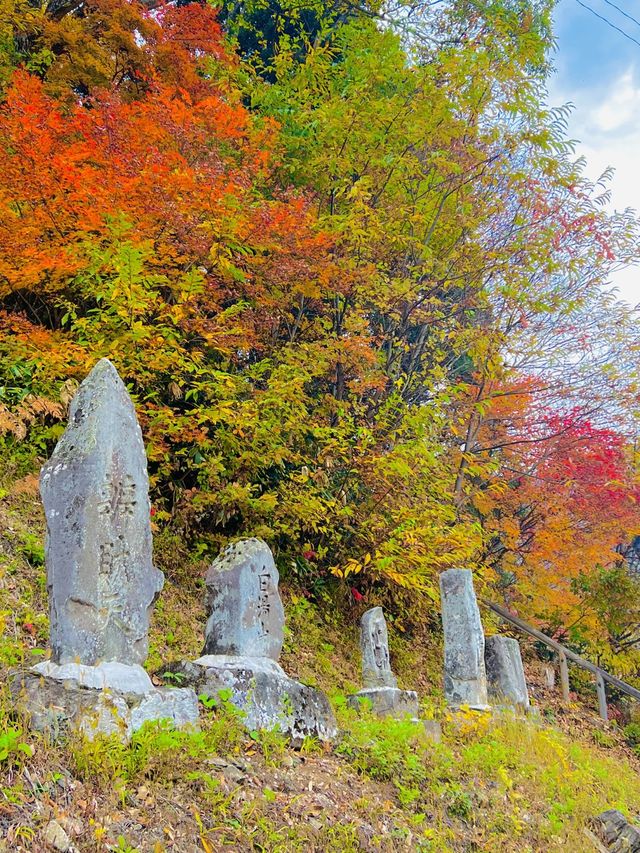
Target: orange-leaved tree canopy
pixel 142 223
pixel 338 287
pixel 140 218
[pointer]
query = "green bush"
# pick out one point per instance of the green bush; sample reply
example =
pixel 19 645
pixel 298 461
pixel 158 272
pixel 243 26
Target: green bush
pixel 632 734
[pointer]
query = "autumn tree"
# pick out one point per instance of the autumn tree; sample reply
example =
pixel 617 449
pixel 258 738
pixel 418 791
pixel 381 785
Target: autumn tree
pixel 340 271
pixel 145 222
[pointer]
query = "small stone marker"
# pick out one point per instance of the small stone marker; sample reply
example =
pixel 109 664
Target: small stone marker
pixel 246 616
pixel 101 578
pixel 374 645
pixel 465 679
pixel 433 730
pixel 100 575
pixel 505 673
pixel 380 684
pixel 243 640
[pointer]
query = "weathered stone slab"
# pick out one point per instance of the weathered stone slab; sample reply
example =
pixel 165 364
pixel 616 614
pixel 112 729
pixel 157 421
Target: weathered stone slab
pixel 267 697
pixel 101 713
pixel 246 616
pixel 58 706
pixel 465 680
pixel 616 833
pixel 374 645
pixel 386 701
pixel 179 705
pixel 114 676
pixel 243 640
pixel 505 673
pixel 380 691
pixel 101 579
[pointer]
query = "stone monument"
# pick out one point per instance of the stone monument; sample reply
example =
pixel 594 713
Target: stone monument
pixel 246 616
pixel 465 679
pixel 380 685
pixel 100 576
pixel 505 673
pixel 243 640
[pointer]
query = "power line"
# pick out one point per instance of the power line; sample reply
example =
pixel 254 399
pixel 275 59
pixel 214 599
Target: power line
pixel 622 12
pixel 608 22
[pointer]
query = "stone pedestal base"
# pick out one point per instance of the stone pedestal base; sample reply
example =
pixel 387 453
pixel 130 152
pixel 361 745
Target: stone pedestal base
pixel 386 701
pixel 484 709
pixel 111 698
pixel 268 698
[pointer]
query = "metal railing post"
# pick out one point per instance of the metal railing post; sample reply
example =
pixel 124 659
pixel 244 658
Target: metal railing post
pixel 602 697
pixel 564 675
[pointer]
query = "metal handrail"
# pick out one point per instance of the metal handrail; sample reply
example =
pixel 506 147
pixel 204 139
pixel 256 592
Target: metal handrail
pixel 565 654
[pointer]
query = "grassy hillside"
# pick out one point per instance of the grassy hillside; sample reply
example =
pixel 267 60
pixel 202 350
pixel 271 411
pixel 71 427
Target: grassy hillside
pixel 494 783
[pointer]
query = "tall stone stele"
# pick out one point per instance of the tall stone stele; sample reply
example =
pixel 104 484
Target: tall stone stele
pixel 465 678
pixel 95 490
pixel 380 684
pixel 243 640
pixel 101 579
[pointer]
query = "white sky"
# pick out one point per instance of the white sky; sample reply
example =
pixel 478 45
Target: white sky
pixel 598 70
pixel 608 127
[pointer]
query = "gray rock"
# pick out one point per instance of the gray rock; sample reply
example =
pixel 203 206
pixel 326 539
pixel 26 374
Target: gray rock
pixel 179 705
pixel 233 775
pixel 505 673
pixel 262 664
pixel 115 676
pixel 374 645
pixel 55 836
pixel 615 831
pixel 243 640
pixel 101 713
pixel 433 730
pixel 245 613
pixel 465 680
pixel 264 694
pixel 58 706
pixel 101 579
pixel 386 701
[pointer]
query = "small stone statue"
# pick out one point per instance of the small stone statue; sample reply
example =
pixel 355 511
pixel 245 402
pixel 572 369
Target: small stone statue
pixel 380 684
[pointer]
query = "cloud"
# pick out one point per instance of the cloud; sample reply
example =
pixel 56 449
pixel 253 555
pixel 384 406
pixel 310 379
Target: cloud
pixel 620 111
pixel 606 123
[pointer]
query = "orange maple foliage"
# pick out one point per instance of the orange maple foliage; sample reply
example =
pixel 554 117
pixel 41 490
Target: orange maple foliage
pixel 346 396
pixel 569 496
